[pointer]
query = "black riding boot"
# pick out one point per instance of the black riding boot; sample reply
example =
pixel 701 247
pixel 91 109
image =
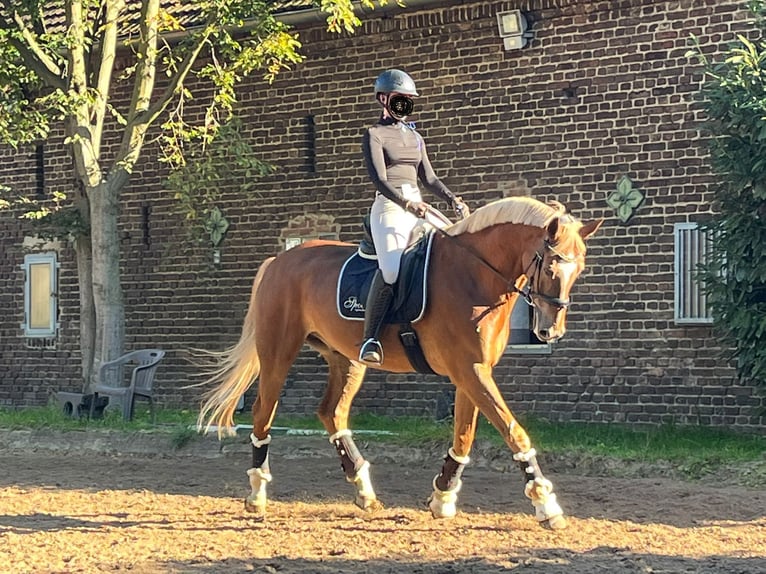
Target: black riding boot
pixel 378 302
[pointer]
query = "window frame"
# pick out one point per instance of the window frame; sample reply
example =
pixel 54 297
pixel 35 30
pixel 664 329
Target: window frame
pixel 685 285
pixel 531 348
pixel 51 259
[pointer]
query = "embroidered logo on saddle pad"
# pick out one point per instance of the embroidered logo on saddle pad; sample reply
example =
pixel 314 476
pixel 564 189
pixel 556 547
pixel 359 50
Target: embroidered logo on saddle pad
pixel 409 302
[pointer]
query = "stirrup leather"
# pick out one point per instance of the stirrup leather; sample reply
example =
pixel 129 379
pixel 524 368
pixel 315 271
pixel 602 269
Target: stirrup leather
pixel 371 352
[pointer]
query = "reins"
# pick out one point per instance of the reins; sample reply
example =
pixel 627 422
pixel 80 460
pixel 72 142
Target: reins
pixel 523 283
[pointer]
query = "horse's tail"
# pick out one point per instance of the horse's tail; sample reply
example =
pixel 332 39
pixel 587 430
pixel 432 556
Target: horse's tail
pixel 236 369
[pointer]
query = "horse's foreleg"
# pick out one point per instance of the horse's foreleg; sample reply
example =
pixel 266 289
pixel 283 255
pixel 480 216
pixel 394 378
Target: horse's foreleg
pixel 537 488
pixel 344 381
pixel 443 500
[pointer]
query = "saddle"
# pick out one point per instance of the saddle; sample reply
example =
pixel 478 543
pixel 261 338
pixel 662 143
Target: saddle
pixel 410 289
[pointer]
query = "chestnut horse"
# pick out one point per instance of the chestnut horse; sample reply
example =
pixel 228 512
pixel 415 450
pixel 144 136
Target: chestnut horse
pixel 478 267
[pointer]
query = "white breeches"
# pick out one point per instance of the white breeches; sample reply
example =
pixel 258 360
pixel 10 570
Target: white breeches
pixel 391 227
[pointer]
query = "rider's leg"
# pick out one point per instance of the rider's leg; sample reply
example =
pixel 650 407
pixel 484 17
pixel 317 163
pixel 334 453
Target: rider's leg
pixel 378 302
pixel 391 227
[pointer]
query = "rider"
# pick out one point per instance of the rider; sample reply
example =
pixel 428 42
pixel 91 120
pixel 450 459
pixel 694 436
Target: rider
pixel 395 155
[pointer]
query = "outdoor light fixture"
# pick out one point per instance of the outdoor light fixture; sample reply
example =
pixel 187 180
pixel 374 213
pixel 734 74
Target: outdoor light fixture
pixel 514 29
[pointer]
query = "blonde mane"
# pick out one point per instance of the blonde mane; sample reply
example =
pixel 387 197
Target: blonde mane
pixel 521 210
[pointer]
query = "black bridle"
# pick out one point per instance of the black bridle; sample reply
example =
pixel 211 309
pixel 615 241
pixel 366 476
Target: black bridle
pixel 527 293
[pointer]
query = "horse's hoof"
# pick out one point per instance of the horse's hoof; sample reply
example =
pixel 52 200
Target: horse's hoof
pixel 440 509
pixel 252 507
pixel 369 506
pixel 555 522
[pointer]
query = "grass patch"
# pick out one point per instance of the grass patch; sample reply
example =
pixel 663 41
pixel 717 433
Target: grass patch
pixel 52 417
pixel 694 450
pixel 697 445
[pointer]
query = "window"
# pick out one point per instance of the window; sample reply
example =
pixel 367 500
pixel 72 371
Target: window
pixel 291 242
pixel 523 341
pixel 40 291
pixel 692 247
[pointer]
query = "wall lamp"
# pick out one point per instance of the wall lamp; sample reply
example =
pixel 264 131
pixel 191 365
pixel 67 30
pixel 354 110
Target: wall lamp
pixel 514 29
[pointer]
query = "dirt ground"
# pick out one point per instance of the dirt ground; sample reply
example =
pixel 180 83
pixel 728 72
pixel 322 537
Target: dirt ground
pixel 82 512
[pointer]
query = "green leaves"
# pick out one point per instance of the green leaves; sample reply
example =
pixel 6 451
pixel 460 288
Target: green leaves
pixel 226 164
pixel 734 99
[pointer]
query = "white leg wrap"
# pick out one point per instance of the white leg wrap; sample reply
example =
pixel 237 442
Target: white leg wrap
pixel 547 509
pixel 340 434
pixel 258 481
pixel 458 459
pixel 540 491
pixel 259 443
pixel 365 494
pixel 443 504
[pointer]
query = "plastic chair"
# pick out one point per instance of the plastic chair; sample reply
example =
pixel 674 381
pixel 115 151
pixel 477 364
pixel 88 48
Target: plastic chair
pixel 141 380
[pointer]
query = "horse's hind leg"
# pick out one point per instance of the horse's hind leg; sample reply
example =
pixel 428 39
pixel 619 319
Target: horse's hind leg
pixel 345 378
pixel 448 482
pixel 260 473
pixel 274 369
pixel 483 391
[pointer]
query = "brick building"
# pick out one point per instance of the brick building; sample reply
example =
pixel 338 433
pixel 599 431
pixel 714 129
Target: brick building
pixel 602 98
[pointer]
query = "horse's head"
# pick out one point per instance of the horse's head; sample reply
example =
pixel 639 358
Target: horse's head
pixel 554 269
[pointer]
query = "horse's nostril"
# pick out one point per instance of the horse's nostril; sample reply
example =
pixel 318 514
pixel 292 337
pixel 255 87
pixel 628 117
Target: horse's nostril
pixel 544 333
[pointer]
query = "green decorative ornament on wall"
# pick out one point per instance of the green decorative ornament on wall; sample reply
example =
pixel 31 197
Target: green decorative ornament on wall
pixel 216 226
pixel 625 199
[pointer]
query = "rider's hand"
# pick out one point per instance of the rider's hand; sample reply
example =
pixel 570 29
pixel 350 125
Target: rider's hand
pixel 419 208
pixel 461 209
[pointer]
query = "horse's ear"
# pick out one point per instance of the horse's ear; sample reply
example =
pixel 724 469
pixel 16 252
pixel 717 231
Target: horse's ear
pixel 553 229
pixel 590 228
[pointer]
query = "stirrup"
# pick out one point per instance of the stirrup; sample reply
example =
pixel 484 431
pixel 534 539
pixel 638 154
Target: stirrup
pixel 371 352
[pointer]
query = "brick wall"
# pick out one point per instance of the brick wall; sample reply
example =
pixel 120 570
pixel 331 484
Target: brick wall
pixel 603 91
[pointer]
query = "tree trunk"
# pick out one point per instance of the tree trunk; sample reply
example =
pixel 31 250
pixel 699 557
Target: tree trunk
pixel 107 288
pixel 83 251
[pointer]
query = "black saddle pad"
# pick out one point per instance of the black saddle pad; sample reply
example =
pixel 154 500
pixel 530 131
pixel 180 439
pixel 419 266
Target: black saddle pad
pixel 410 289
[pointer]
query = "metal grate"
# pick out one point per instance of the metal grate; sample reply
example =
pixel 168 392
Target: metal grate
pixel 692 247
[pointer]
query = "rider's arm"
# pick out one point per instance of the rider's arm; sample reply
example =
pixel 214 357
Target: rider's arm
pixel 428 177
pixel 376 167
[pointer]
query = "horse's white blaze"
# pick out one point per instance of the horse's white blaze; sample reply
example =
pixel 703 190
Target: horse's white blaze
pixel 567 271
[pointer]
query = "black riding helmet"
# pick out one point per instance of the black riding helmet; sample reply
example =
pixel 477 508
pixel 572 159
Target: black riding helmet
pixel 401 105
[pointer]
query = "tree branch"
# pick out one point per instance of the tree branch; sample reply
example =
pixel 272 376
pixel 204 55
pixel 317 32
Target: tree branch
pixel 142 113
pixel 80 129
pixel 106 67
pixel 146 68
pixel 31 51
pixel 50 77
pixel 179 77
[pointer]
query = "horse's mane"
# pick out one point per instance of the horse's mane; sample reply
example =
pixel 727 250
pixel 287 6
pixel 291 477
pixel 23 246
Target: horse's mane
pixel 521 210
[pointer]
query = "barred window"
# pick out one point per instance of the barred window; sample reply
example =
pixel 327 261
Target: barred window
pixel 692 247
